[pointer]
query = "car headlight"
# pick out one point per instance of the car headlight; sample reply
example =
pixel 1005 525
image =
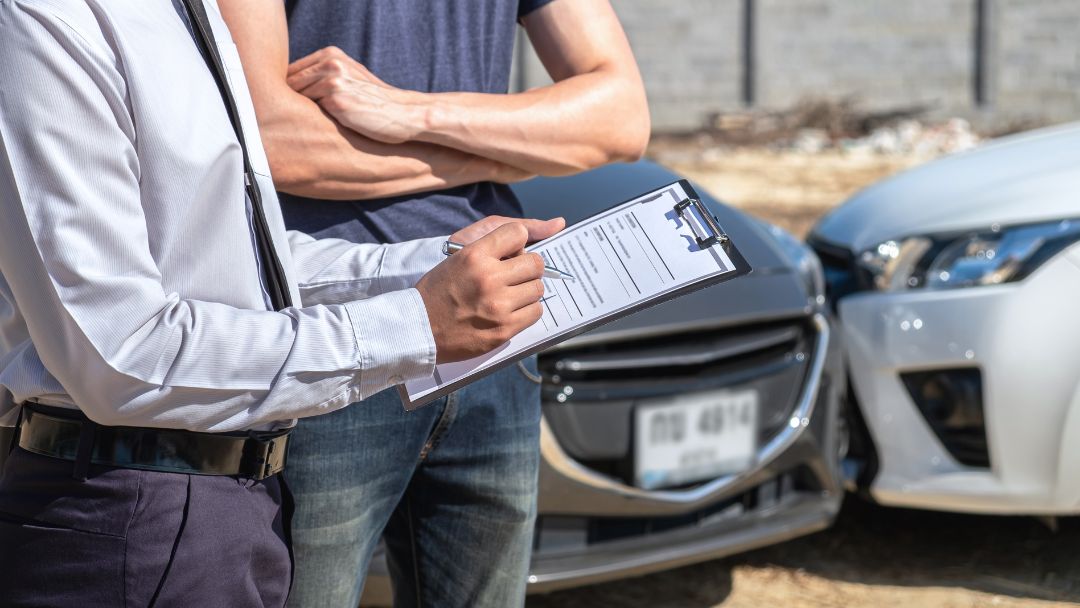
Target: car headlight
pixel 991 257
pixel 805 261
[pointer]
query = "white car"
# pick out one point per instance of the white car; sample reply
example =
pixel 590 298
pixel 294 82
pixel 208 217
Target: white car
pixel 957 289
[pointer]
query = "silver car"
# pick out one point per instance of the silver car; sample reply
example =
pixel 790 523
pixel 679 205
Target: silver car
pixel 956 286
pixel 699 428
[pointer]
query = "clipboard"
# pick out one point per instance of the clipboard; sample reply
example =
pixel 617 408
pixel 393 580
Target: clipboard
pixel 706 235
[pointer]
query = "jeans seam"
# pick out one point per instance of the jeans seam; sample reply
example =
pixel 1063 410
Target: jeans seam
pixel 445 420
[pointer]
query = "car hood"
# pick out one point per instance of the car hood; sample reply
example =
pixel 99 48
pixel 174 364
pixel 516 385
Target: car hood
pixel 1020 179
pixel 577 197
pixel 773 290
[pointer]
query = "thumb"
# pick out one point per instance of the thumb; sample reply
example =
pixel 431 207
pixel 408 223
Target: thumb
pixel 542 229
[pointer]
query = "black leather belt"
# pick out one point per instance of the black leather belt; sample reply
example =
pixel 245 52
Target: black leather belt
pixel 69 435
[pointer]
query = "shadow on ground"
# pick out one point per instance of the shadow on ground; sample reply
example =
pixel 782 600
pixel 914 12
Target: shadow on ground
pixel 876 546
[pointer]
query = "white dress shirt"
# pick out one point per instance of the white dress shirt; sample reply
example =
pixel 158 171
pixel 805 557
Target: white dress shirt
pixel 129 281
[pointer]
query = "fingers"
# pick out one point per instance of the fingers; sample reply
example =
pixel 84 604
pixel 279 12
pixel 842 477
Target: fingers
pixel 525 317
pixel 522 268
pixel 323 87
pixel 306 61
pixel 325 64
pixel 538 229
pixel 304 79
pixel 320 80
pixel 521 296
pixel 542 229
pixel 319 56
pixel 503 242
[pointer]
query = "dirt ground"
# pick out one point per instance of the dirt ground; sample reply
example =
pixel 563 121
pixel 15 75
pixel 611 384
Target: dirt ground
pixel 873 556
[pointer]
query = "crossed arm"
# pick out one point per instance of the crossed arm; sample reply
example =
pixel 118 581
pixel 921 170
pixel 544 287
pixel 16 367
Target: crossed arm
pixel 333 130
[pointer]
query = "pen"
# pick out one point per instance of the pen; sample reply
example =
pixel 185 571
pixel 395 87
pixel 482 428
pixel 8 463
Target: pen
pixel 550 272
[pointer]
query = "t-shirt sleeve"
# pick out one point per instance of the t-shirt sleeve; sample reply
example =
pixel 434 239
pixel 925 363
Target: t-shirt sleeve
pixel 527 6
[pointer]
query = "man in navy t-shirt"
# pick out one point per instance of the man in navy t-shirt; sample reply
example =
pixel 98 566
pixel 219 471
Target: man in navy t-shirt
pixel 393 122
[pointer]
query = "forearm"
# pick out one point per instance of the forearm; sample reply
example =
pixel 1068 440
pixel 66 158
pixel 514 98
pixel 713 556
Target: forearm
pixel 311 155
pixel 579 123
pixel 594 113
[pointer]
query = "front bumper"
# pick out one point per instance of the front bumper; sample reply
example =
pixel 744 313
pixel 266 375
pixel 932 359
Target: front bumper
pixel 594 527
pixel 1021 338
pixel 795 515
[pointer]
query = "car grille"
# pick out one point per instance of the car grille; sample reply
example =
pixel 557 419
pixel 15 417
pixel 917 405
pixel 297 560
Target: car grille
pixel 589 393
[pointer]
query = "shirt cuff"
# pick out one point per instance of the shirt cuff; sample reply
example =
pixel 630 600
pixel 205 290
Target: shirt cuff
pixel 404 263
pixel 394 339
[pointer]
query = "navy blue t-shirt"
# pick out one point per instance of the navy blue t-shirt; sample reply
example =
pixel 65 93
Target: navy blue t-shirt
pixel 421 45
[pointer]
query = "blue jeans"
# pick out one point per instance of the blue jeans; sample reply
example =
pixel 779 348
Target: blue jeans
pixel 451 487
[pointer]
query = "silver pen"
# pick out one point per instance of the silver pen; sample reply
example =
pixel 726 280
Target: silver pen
pixel 550 272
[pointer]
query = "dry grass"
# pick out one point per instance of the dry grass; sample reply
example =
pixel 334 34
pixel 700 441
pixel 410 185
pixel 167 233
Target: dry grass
pixel 787 188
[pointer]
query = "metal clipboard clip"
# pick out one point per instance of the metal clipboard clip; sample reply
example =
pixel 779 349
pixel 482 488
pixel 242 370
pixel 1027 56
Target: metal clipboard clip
pixel 704 224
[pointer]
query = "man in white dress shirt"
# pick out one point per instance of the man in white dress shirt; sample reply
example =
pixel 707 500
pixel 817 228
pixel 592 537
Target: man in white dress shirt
pixel 160 331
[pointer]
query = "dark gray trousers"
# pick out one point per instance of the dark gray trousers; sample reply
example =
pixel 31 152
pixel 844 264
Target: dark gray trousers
pixel 7 437
pixel 140 538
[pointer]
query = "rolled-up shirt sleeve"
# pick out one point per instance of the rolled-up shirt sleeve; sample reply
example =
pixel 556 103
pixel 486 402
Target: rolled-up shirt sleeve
pixel 76 258
pixel 334 271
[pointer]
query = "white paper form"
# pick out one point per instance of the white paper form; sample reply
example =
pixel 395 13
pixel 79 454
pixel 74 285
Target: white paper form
pixel 620 258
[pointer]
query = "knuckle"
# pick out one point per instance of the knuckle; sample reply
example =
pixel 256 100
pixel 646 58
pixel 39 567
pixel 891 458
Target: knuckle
pixel 336 65
pixel 519 231
pixel 468 255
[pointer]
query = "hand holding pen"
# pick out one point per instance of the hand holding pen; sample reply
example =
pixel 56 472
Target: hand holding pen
pixel 550 272
pixel 482 297
pixel 538 230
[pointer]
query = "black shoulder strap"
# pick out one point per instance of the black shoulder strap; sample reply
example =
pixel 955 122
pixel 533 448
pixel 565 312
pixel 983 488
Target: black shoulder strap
pixel 273 272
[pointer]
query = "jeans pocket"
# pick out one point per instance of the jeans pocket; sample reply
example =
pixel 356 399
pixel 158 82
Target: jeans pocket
pixel 525 392
pixel 528 368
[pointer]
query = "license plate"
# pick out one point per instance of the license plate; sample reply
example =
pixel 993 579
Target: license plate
pixel 693 437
